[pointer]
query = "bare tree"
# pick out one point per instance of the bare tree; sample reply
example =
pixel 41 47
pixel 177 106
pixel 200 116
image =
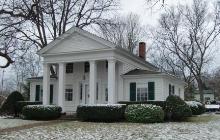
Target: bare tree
pixel 125 32
pixel 187 34
pixel 41 21
pixel 28 66
pixel 152 3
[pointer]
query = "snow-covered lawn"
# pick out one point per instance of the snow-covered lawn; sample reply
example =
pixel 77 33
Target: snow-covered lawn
pixel 11 122
pixel 201 128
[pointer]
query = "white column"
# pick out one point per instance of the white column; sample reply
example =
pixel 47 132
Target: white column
pixel 120 92
pixel 111 81
pixel 46 83
pixel 61 85
pixel 92 81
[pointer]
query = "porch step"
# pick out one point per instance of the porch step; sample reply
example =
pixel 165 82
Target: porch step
pixel 68 116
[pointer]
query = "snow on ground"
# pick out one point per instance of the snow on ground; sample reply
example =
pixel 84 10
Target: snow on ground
pixel 75 130
pixel 6 122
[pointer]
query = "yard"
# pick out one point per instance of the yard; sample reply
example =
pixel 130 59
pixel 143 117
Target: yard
pixel 202 127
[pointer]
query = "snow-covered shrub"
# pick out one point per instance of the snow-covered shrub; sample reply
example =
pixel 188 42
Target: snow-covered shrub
pixel 9 106
pixel 176 109
pixel 157 103
pixel 144 113
pixel 41 112
pixel 196 107
pixel 101 112
pixel 21 104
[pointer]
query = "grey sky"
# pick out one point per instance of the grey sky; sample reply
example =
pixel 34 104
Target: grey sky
pixel 149 16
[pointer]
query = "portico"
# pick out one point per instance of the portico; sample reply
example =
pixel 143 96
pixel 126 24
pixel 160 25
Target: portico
pixel 92 81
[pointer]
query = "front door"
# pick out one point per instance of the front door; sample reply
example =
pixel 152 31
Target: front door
pixel 84 93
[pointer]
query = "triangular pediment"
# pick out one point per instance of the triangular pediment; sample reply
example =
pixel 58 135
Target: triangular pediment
pixel 76 40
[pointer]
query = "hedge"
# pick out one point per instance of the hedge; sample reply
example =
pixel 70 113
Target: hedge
pixel 21 104
pixel 157 103
pixel 41 112
pixel 197 108
pixel 101 113
pixel 144 113
pixel 176 109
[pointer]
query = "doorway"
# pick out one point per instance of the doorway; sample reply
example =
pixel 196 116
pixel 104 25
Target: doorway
pixel 84 93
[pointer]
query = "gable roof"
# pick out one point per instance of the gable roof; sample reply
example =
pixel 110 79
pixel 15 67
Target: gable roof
pixel 69 33
pixel 80 32
pixel 140 72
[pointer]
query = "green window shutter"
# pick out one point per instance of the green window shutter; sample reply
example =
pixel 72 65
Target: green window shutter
pixel 170 89
pixel 151 90
pixel 51 94
pixel 37 93
pixel 132 91
pixel 173 90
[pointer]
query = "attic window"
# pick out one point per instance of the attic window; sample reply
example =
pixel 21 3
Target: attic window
pixel 69 68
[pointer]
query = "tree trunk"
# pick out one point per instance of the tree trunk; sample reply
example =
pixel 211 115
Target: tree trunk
pixel 200 85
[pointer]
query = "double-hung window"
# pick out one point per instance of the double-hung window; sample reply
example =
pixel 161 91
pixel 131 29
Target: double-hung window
pixel 171 89
pixel 142 92
pixel 69 68
pixel 68 94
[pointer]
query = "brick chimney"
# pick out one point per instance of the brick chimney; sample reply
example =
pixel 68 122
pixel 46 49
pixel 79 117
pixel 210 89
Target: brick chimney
pixel 142 50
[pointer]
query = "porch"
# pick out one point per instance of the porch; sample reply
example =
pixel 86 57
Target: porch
pixel 88 82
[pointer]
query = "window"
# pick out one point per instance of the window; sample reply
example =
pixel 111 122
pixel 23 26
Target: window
pixel 207 98
pixel 51 94
pixel 37 93
pixel 106 94
pixel 142 92
pixel 171 89
pixel 69 94
pixel 69 68
pixel 86 65
pixel 81 91
pixel 106 65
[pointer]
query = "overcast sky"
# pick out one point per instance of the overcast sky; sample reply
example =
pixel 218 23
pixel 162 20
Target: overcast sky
pixel 150 16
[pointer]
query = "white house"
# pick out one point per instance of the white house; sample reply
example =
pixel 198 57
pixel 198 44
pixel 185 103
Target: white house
pixel 91 70
pixel 208 95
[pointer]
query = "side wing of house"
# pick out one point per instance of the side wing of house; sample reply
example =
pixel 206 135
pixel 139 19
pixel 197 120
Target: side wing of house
pixel 153 87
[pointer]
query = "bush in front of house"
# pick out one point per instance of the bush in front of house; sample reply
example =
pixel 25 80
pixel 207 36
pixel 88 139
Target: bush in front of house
pixel 176 109
pixel 21 104
pixel 197 108
pixel 157 103
pixel 144 113
pixel 41 112
pixel 101 112
pixel 9 105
